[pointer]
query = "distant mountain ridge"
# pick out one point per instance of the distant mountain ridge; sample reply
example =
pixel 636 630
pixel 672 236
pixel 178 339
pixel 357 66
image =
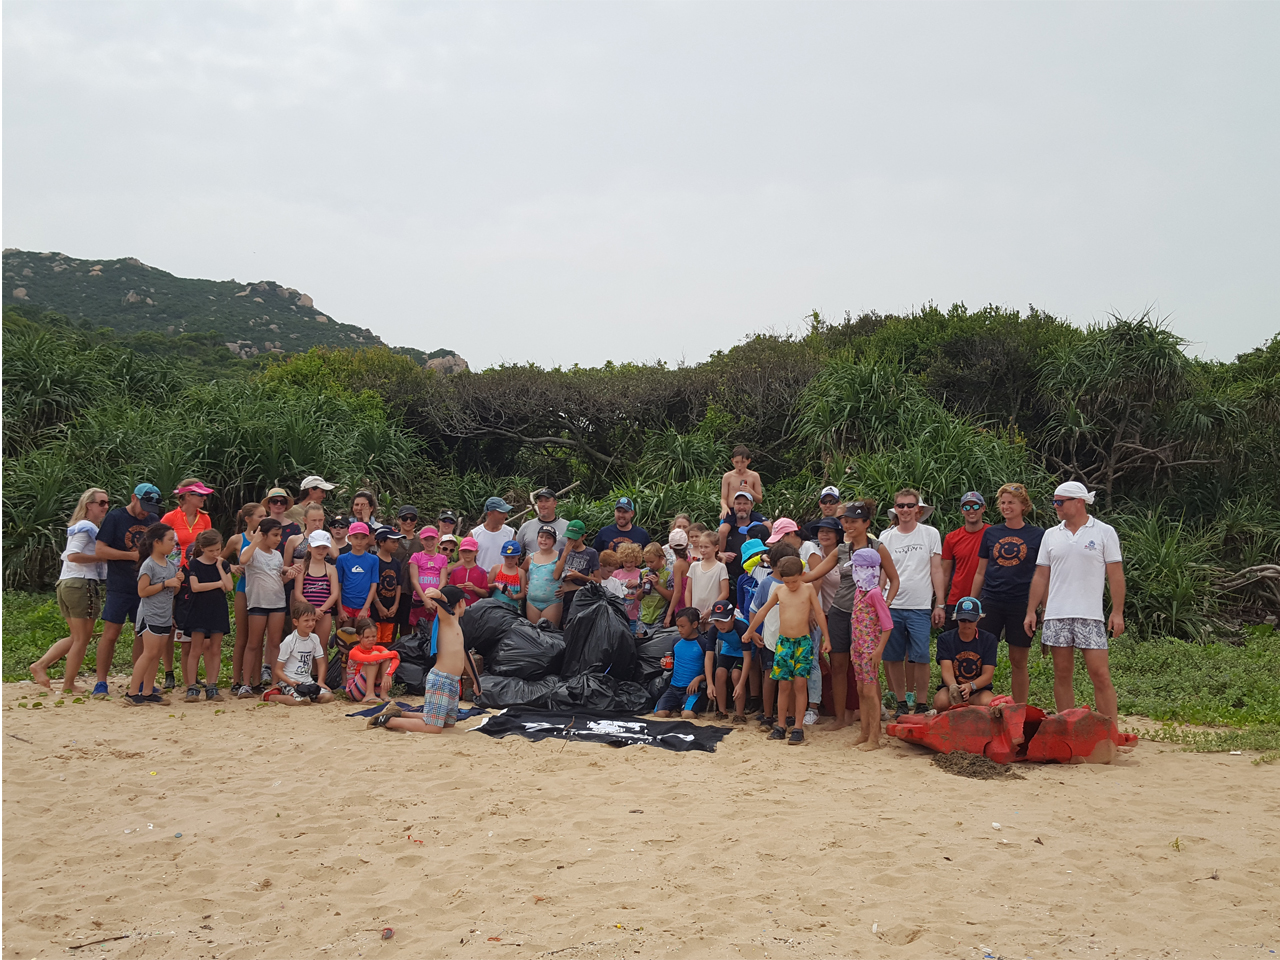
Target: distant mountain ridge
pixel 130 296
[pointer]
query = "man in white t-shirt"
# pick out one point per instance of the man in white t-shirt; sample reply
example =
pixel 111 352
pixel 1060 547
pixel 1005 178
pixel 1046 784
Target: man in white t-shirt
pixel 1077 557
pixel 493 533
pixel 917 553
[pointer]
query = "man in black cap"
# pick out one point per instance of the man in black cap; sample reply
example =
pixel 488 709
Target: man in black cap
pixel 545 503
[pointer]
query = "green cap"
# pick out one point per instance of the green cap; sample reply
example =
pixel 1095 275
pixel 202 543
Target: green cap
pixel 576 530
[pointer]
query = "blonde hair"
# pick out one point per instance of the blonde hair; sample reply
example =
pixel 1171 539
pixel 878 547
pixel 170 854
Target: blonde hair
pixel 82 507
pixel 1018 492
pixel 654 550
pixel 631 554
pixel 182 497
pixel 677 518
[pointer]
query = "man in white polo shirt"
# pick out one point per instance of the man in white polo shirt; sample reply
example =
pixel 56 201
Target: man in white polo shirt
pixel 1076 558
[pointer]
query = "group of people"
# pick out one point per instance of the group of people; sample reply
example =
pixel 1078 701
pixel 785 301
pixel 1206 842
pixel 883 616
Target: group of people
pixel 757 603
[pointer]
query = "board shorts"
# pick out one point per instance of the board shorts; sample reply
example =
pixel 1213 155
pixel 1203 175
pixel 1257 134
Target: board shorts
pixel 865 630
pixel 79 598
pixel 352 613
pixel 440 699
pixel 120 606
pixel 726 662
pixel 910 637
pixel 1075 632
pixel 1006 618
pixel 386 632
pixel 838 630
pixel 793 660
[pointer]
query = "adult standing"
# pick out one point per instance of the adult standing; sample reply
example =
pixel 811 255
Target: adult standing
pixel 79 590
pixel 189 519
pixel 313 490
pixel 363 504
pixel 916 549
pixel 829 504
pixel 856 521
pixel 1076 559
pixel 622 530
pixel 279 502
pixel 545 503
pixel 404 547
pixel 493 533
pixel 118 538
pixel 960 552
pixel 1002 581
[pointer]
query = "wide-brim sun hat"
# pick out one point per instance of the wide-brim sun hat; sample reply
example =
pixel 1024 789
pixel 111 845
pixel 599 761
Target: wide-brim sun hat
pixel 925 512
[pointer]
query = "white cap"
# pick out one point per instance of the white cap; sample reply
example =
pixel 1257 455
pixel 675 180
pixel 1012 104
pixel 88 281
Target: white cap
pixel 744 493
pixel 830 492
pixel 320 482
pixel 1074 489
pixel 320 538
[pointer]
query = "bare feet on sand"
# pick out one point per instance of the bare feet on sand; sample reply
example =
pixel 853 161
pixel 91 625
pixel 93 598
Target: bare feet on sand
pixel 73 689
pixel 41 676
pixel 862 738
pixel 869 745
pixel 840 724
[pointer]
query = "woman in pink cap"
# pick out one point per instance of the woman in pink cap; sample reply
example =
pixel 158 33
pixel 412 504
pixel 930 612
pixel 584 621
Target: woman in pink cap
pixel 427 570
pixel 467 574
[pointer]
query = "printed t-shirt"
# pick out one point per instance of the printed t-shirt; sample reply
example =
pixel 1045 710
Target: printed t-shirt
pixel 913 554
pixel 187 533
pixel 490 543
pixel 431 571
pixel 477 576
pixel 1011 562
pixel 652 606
pixel 585 561
pixel 961 547
pixel 689 660
pixel 631 594
pixel 609 537
pixel 157 609
pixel 356 574
pixel 121 530
pixel 298 653
pixel 968 659
pixel 1077 568
pixel 389 577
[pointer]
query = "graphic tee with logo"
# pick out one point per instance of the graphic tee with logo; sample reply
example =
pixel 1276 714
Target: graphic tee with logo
pixel 1077 568
pixel 357 573
pixel 912 554
pixel 1011 562
pixel 968 659
pixel 298 653
pixel 121 530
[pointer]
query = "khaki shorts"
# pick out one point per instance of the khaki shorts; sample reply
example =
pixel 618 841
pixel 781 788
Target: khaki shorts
pixel 79 599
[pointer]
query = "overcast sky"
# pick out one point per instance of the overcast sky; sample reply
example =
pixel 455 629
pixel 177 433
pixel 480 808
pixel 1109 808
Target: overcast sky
pixel 572 183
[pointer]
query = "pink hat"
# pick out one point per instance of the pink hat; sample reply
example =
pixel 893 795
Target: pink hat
pixel 677 538
pixel 469 543
pixel 781 528
pixel 194 488
pixel 428 532
pixel 358 527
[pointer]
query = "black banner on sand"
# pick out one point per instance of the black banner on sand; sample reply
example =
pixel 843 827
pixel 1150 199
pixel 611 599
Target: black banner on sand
pixel 617 730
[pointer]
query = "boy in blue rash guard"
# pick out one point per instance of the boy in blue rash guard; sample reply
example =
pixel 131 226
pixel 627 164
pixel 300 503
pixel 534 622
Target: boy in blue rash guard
pixel 733 661
pixel 693 665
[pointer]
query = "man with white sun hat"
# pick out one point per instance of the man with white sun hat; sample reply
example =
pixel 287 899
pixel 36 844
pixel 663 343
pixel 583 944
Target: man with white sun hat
pixel 1077 558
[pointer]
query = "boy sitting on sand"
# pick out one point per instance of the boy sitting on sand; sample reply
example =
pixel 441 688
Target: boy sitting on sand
pixel 967 658
pixel 440 702
pixel 301 654
pixel 691 670
pixel 797 604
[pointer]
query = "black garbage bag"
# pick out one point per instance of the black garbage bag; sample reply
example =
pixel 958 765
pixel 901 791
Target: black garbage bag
pixel 597 636
pixel 514 692
pixel 596 691
pixel 485 623
pixel 657 686
pixel 415 660
pixel 527 651
pixel 651 650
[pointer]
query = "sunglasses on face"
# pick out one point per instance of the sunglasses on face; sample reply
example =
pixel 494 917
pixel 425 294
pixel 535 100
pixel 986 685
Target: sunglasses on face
pixel 408 519
pixel 971 506
pixel 100 503
pixel 1059 501
pixel 278 502
pixel 905 506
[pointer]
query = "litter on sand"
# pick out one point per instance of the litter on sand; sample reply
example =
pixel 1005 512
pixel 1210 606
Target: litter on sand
pixel 973 766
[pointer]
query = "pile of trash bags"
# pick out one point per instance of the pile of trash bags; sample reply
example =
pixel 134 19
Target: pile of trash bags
pixel 594 663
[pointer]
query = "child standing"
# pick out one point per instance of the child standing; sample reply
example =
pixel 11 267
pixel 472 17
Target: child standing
pixel 440 703
pixel 369 665
pixel 468 575
pixel 507 581
pixel 301 655
pixel 577 564
pixel 264 590
pixel 426 571
pixel 610 563
pixel 798 603
pixel 678 545
pixel 318 584
pixel 207 620
pixel 708 578
pixel 159 577
pixel 251 514
pixel 692 664
pixel 631 555
pixel 386 601
pixel 733 662
pixel 657 589
pixel 543 597
pixel 357 575
pixel 870 628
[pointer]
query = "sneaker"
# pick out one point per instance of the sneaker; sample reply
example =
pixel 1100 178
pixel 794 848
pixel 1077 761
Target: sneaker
pixel 154 697
pixel 266 675
pixel 212 695
pixel 193 695
pixel 134 700
pixel 169 682
pixel 796 739
pixel 100 690
pixel 810 717
pixel 389 711
pixel 900 710
pixel 922 708
pixel 777 733
pixel 791 722
pixel 244 692
pixel 768 722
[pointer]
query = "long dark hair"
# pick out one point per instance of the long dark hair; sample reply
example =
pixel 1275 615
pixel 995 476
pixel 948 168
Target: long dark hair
pixel 150 537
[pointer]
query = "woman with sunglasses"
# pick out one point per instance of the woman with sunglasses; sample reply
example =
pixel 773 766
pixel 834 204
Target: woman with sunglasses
pixel 189 519
pixel 1004 585
pixel 79 590
pixel 279 502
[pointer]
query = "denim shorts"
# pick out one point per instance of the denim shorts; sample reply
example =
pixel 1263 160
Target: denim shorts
pixel 910 637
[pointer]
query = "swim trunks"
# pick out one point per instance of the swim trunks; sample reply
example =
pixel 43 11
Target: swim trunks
pixel 793 659
pixel 440 701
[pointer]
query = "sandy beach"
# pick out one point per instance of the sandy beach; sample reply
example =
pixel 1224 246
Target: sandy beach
pixel 304 834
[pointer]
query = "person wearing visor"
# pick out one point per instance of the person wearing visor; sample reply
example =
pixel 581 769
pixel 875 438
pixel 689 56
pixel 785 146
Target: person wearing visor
pixel 313 490
pixel 967 659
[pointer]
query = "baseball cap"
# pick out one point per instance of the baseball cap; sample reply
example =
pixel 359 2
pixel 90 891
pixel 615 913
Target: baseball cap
pixel 722 610
pixel 830 523
pixel 545 528
pixel 386 533
pixel 408 510
pixel 452 597
pixel 858 510
pixel 469 543
pixel 320 538
pixel 358 527
pixel 625 503
pixel 1074 489
pixel 781 528
pixel 313 481
pixel 497 503
pixel 448 515
pixel 576 530
pixel 148 495
pixel 744 493
pixel 512 548
pixel 340 521
pixel 969 608
pixel 973 496
pixel 428 532
pixel 829 492
pixel 448 538
pixel 677 538
pixel 546 492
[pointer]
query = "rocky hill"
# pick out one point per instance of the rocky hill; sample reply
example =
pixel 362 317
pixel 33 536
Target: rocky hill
pixel 131 297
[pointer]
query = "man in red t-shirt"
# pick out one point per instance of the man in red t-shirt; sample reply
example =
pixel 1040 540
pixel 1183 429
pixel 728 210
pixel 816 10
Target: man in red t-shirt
pixel 960 552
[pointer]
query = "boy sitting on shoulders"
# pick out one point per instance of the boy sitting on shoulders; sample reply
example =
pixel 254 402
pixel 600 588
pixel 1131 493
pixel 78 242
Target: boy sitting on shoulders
pixel 301 654
pixel 741 477
pixel 797 604
pixel 691 670
pixel 443 684
pixel 967 657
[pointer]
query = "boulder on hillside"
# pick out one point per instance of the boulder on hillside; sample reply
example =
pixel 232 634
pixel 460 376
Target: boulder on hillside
pixel 20 293
pixel 305 301
pixel 446 365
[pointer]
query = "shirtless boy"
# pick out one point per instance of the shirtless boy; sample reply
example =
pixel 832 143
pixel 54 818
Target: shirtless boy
pixel 798 606
pixel 440 703
pixel 741 477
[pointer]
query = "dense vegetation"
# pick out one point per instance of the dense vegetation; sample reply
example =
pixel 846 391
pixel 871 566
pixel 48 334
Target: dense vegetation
pixel 130 297
pixel 1185 452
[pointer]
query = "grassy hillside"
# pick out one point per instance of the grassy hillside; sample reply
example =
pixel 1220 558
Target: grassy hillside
pixel 131 297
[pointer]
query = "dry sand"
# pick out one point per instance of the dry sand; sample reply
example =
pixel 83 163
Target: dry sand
pixel 296 827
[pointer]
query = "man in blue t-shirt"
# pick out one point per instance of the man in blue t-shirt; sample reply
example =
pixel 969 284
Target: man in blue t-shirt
pixel 692 666
pixel 622 530
pixel 967 658
pixel 117 544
